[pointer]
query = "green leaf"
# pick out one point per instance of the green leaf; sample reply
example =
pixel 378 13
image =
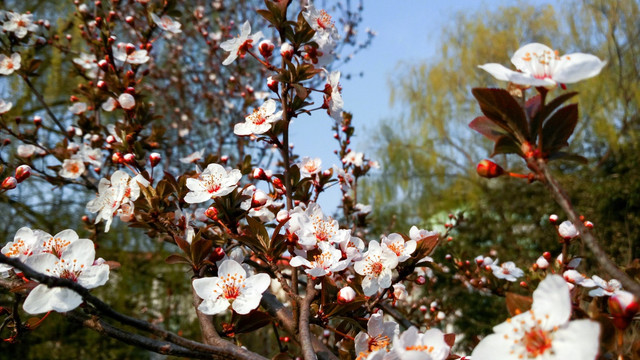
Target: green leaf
pixel 506 145
pixel 558 128
pixel 499 106
pixel 487 127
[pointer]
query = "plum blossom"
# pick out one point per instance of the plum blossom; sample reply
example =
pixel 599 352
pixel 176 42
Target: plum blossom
pixel 76 263
pixel 312 227
pixel 326 34
pixel 507 271
pixel 259 122
pixel 72 168
pixel 257 204
pixel 419 234
pixel 19 24
pixel 353 248
pixel 87 62
pixel 5 106
pixel 78 108
pixel 395 242
pixel 412 345
pixel 309 167
pixel 325 263
pixel 24 244
pixel 377 337
pixel 376 267
pixel 353 158
pixel 120 189
pixel 136 57
pixel 232 288
pixel 9 64
pixel 193 157
pixel 604 288
pixel 544 332
pixel 335 102
pixel 238 46
pixel 573 277
pixel 213 181
pixel 166 23
pixel 539 65
pixel 91 155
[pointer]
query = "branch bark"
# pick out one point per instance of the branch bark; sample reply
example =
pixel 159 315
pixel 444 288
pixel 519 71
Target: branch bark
pixel 305 335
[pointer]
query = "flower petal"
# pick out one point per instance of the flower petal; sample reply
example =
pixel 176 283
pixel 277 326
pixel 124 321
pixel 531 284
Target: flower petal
pixel 552 298
pixel 574 67
pixel 207 287
pixel 214 306
pixel 578 340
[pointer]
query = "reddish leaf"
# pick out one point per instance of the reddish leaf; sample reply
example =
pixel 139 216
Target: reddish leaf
pixel 487 127
pixel 506 145
pixel 450 339
pixel 558 128
pixel 499 106
pixel 252 321
pixel 517 304
pixel 177 259
pixel 547 110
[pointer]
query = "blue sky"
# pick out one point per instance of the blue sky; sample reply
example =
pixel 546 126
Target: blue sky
pixel 407 30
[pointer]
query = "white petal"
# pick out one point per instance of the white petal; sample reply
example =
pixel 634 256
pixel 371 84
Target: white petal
pixel 533 48
pixel 258 283
pixel 374 325
pixel 246 302
pixel 370 286
pixel 574 67
pixel 214 306
pixel 242 129
pixel 578 340
pixel 231 267
pixel 41 262
pixel 94 276
pixel 493 347
pixel 83 251
pixel 552 298
pixel 195 185
pixel 197 197
pixel 206 287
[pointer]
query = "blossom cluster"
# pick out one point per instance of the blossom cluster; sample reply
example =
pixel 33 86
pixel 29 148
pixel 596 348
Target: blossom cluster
pixel 64 255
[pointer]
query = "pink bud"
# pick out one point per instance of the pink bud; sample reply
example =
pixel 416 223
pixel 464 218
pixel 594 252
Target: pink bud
pixel 22 173
pixel 259 174
pixel 259 198
pixel 127 101
pixel 130 48
pixel 154 159
pixel 129 158
pixel 588 224
pixel 9 183
pixel 116 158
pixel 623 306
pixel 37 120
pixel 266 48
pixel 224 159
pixel 211 213
pixel 111 139
pixel 286 50
pixel 567 231
pixel 272 84
pixel 346 295
pixel 553 218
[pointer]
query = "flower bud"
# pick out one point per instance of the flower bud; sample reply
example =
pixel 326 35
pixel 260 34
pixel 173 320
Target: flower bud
pixel 116 158
pixel 129 158
pixel 553 218
pixel 567 231
pixel 9 183
pixel 129 19
pixel 259 198
pixel 346 295
pixel 101 85
pixel 211 213
pixel 272 84
pixel 130 48
pixel 266 48
pixel 542 263
pixel 623 306
pixel 224 159
pixel 489 169
pixel 286 50
pixel 37 120
pixel 127 101
pixel 588 224
pixel 259 174
pixel 22 173
pixel 154 159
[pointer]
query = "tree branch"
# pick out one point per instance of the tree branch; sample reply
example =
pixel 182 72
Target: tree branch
pixel 231 350
pixel 589 239
pixel 305 335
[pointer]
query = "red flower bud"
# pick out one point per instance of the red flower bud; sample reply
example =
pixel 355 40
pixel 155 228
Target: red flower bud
pixel 211 213
pixel 489 169
pixel 22 173
pixel 259 174
pixel 346 295
pixel 116 158
pixel 623 306
pixel 129 158
pixel 154 159
pixel 37 120
pixel 130 48
pixel 9 183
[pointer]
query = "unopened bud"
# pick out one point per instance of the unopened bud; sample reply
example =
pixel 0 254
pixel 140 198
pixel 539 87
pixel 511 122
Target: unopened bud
pixel 259 174
pixel 489 169
pixel 266 48
pixel 217 254
pixel 129 158
pixel 154 159
pixel 211 213
pixel 129 19
pixel 567 231
pixel 259 198
pixel 103 65
pixel 22 173
pixel 130 48
pixel 9 183
pixel 37 120
pixel 272 84
pixel 111 139
pixel 127 101
pixel 346 295
pixel 282 215
pixel 286 50
pixel 116 158
pixel 101 85
pixel 588 224
pixel 553 218
pixel 623 306
pixel 421 280
pixel 224 159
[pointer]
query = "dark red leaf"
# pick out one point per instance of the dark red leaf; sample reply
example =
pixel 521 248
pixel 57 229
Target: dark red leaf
pixel 487 127
pixel 499 106
pixel 506 145
pixel 558 128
